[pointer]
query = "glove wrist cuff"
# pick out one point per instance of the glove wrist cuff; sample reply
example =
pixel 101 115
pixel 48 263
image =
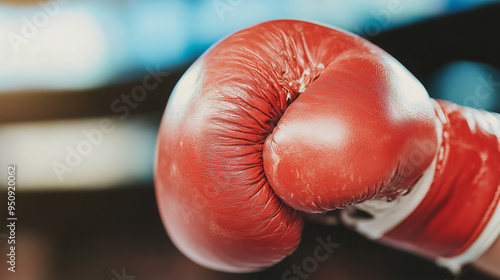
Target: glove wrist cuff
pixel 451 215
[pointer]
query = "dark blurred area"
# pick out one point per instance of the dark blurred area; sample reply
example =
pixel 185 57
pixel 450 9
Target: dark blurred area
pixel 85 199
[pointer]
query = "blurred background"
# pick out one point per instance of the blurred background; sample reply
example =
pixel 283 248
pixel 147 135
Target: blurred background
pixel 83 85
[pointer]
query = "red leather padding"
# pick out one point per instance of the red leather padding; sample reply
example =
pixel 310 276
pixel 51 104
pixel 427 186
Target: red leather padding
pixel 465 191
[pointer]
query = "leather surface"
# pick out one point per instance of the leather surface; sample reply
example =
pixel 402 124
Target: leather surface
pixel 290 116
pixel 466 187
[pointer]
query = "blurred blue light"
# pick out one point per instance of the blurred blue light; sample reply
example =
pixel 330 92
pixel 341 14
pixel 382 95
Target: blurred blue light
pixel 467 83
pixel 90 43
pixel 159 32
pixel 460 5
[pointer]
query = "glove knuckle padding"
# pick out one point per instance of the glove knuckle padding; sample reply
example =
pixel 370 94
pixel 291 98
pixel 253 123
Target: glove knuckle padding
pixel 342 137
pixel 280 117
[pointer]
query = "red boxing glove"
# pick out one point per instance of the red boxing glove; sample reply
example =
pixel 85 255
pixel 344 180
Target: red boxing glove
pixel 287 117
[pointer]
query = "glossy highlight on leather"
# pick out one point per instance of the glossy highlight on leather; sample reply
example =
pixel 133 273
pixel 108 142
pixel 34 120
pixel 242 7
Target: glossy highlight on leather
pixel 287 117
pixel 465 190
